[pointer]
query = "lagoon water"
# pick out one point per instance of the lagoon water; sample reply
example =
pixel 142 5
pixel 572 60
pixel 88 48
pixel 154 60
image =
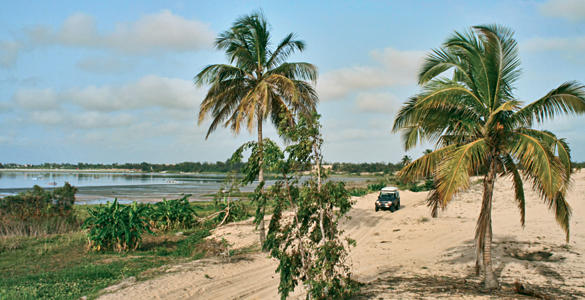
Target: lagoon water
pixel 100 187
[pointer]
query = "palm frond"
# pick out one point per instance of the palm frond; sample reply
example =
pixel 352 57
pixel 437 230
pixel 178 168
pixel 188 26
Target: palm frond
pixel 434 203
pixel 217 73
pixel 438 62
pixel 296 70
pixel 568 98
pixel 501 54
pixel 546 171
pixel 556 146
pixel 563 212
pixel 429 121
pixel 452 173
pixel 424 166
pixel 284 49
pixel 512 170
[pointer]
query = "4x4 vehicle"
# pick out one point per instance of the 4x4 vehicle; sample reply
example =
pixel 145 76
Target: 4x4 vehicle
pixel 389 198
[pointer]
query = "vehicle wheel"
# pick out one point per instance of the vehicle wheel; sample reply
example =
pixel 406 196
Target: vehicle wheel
pixel 392 209
pixel 398 206
pixel 376 209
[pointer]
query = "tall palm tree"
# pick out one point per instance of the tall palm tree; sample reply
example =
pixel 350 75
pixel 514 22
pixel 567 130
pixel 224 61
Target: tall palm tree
pixel 477 124
pixel 258 83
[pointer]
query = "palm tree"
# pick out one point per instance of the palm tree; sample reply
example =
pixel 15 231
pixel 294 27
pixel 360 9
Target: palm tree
pixel 478 125
pixel 258 83
pixel 405 160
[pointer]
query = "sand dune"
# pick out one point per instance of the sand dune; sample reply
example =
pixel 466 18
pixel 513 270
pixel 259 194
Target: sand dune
pixel 406 254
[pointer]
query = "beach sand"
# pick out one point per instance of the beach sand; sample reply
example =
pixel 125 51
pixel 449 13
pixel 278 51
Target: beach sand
pixel 407 254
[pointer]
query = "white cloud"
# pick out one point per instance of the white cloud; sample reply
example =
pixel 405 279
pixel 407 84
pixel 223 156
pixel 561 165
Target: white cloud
pixel 147 92
pixel 574 44
pixel 393 68
pixel 163 31
pixel 349 135
pixel 573 10
pixel 8 53
pixel 36 99
pixel 47 117
pixel 402 66
pixel 339 83
pixel 151 100
pixel 377 102
pixel 5 140
pixel 104 65
pixel 94 119
pixel 5 106
pixel 16 81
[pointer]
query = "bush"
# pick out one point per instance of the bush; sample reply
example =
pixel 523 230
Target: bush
pixel 38 212
pixel 116 227
pixel 358 192
pixel 171 214
pixel 230 210
pixel 376 186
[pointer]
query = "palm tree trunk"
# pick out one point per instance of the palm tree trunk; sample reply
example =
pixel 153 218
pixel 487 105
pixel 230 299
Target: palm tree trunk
pixel 490 281
pixel 261 230
pixel 479 259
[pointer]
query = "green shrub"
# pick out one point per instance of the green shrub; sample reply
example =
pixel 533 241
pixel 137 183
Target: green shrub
pixel 230 210
pixel 358 192
pixel 38 212
pixel 171 214
pixel 376 186
pixel 116 227
pixel 63 198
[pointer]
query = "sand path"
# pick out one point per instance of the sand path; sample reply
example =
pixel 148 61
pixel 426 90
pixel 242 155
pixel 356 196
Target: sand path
pixel 405 243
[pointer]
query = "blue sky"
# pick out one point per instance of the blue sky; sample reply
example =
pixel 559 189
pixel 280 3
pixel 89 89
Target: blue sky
pixel 112 81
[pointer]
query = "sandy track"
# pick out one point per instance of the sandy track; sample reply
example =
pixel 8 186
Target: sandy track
pixel 405 243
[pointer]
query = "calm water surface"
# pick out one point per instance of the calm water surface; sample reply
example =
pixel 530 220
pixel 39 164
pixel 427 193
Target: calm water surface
pixel 101 187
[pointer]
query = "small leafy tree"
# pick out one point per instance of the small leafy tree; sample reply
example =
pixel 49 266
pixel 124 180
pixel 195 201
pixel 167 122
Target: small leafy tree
pixel 263 156
pixel 307 241
pixel 64 198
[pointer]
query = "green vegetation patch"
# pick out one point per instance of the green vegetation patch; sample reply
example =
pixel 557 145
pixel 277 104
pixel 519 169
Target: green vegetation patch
pixel 61 267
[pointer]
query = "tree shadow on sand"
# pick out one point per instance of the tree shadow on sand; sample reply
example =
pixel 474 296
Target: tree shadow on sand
pixel 534 256
pixel 415 287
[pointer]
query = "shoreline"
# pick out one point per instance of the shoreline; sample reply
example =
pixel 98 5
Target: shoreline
pixel 332 174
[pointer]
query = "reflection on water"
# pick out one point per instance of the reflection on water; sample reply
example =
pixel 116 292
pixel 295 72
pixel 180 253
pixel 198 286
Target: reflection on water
pixel 95 188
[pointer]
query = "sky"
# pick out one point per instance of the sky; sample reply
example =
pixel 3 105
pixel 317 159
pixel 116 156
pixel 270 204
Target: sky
pixel 112 81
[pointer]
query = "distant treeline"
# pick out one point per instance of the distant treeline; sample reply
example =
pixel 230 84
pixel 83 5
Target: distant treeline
pixel 217 167
pixel 375 167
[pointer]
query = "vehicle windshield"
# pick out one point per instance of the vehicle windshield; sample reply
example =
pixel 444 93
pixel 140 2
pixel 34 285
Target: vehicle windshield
pixel 387 196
